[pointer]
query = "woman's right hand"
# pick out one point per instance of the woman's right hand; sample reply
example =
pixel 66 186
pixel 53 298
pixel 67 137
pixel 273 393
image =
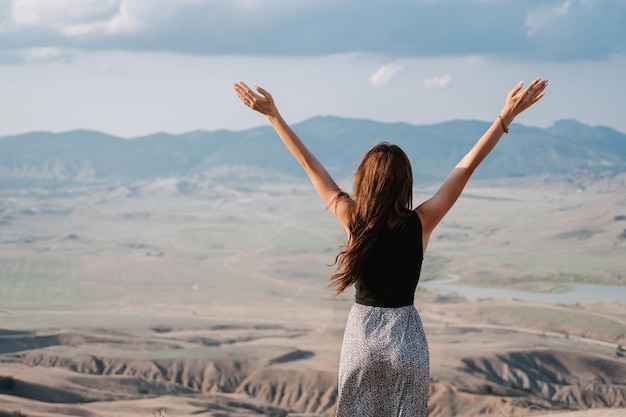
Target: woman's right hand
pixel 263 103
pixel 519 100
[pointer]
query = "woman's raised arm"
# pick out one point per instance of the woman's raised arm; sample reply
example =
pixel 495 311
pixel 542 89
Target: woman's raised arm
pixel 434 209
pixel 326 187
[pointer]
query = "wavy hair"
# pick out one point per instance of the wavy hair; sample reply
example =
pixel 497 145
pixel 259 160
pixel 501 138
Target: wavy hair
pixel 383 196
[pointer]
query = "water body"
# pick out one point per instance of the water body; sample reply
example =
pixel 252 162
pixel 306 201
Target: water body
pixel 580 293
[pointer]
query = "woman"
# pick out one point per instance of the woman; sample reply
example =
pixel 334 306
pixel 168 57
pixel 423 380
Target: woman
pixel 384 365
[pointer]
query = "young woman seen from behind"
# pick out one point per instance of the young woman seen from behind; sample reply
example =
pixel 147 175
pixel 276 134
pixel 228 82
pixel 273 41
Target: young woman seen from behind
pixel 384 364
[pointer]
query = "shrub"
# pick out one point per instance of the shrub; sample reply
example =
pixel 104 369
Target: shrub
pixel 142 391
pixel 485 389
pixel 513 385
pixel 276 413
pixel 17 413
pixel 7 382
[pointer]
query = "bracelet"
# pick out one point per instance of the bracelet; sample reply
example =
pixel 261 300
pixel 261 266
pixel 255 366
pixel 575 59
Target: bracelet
pixel 506 129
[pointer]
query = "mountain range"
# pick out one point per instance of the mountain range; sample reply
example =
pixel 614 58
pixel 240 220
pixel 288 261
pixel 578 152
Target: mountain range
pixel 81 156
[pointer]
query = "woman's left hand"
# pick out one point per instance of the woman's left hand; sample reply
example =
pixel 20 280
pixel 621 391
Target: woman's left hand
pixel 519 100
pixel 263 103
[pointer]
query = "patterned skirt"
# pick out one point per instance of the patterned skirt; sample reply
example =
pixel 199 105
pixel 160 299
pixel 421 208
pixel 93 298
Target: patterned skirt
pixel 384 365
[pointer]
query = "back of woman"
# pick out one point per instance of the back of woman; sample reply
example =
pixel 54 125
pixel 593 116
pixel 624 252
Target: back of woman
pixel 384 363
pixel 384 367
pixel 392 270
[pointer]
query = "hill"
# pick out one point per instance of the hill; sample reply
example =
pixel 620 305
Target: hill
pixel 57 159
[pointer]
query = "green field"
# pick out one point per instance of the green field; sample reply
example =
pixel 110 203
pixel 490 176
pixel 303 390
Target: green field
pixel 101 253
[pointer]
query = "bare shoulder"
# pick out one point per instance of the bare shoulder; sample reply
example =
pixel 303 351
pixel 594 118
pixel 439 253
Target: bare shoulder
pixel 422 213
pixel 426 230
pixel 341 206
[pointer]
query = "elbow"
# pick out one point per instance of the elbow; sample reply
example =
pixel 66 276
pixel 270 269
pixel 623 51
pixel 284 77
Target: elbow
pixel 468 165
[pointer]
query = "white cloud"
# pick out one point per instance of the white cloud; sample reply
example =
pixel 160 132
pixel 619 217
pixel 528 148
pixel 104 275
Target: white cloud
pixel 475 61
pixel 436 82
pixel 105 68
pixel 48 54
pixel 45 53
pixel 122 22
pixel 83 17
pixel 539 18
pixel 569 29
pixel 61 13
pixel 385 74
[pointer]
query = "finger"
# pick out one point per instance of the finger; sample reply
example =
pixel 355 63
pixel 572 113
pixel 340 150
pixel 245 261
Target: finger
pixel 538 89
pixel 242 85
pixel 244 97
pixel 248 91
pixel 240 90
pixel 539 96
pixel 263 92
pixel 516 89
pixel 531 86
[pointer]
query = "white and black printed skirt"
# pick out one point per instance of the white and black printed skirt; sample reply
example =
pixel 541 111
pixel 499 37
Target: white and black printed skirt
pixel 384 365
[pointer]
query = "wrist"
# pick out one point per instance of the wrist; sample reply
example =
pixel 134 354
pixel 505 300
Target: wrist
pixel 274 118
pixel 503 125
pixel 507 117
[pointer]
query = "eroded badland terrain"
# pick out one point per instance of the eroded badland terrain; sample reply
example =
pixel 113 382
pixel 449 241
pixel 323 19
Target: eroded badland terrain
pixel 119 301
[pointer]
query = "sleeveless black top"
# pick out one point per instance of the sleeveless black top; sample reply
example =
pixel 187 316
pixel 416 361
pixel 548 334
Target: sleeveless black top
pixel 393 269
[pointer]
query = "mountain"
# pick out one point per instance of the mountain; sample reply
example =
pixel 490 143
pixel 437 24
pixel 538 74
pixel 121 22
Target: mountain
pixel 57 159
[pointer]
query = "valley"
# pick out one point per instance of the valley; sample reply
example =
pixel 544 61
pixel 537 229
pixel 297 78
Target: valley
pixel 129 298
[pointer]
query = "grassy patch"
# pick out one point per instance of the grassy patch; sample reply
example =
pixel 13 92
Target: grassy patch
pixel 544 287
pixel 580 234
pixel 434 267
pixel 514 284
pixel 572 319
pixel 558 282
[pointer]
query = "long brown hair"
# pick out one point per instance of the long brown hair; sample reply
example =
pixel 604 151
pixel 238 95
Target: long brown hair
pixel 383 194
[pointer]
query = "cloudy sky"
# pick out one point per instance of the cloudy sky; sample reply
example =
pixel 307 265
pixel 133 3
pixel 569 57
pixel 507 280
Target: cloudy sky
pixel 133 67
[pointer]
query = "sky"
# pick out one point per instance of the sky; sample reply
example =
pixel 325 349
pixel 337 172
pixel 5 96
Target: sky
pixel 135 67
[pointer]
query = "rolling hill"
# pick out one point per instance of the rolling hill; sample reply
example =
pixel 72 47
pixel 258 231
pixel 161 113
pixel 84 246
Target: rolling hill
pixel 57 159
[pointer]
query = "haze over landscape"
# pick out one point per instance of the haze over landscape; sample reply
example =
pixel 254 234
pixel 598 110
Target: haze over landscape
pixel 187 272
pixel 162 253
pixel 135 67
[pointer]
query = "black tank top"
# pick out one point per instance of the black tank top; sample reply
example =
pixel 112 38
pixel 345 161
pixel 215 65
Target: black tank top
pixel 393 269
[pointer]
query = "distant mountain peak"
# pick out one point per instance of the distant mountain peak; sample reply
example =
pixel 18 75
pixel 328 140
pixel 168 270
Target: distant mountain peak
pixel 84 155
